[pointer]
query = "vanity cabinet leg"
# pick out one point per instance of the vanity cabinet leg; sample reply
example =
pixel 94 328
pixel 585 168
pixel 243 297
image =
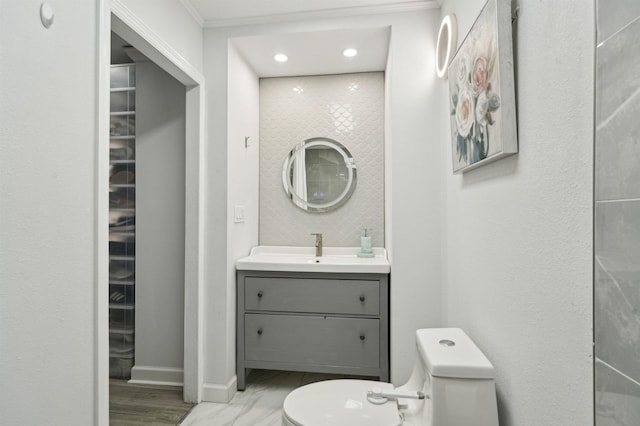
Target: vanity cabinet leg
pixel 241 371
pixel 241 379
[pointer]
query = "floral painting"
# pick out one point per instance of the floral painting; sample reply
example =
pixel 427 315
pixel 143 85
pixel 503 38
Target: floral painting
pixel 481 90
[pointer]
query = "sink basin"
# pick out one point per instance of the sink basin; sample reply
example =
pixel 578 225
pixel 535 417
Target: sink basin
pixel 303 259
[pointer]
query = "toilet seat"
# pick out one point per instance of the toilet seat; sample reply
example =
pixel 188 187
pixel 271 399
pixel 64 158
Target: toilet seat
pixel 338 402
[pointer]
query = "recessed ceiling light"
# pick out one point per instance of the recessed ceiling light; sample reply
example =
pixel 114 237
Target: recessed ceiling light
pixel 350 52
pixel 281 57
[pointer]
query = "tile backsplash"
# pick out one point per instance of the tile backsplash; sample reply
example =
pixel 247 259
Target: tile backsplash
pixel 348 108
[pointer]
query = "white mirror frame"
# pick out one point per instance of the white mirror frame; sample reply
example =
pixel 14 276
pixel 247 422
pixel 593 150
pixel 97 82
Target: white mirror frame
pixel 446 44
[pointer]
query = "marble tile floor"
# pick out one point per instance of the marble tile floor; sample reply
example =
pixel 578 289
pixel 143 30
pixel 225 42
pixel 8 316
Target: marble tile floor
pixel 260 404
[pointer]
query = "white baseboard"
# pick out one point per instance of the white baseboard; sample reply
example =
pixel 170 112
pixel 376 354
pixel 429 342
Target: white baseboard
pixel 219 393
pixel 162 376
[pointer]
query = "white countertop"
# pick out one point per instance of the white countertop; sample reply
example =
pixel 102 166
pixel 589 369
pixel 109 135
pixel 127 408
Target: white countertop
pixel 303 259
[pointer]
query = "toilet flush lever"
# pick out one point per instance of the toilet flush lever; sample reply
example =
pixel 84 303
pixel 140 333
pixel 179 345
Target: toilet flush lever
pixel 379 396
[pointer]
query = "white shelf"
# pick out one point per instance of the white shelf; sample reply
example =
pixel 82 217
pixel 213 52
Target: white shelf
pixel 124 306
pixel 122 233
pixel 122 89
pixel 122 257
pixel 122 282
pixel 121 331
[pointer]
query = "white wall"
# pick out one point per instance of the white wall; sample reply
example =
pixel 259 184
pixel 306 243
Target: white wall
pixel 518 274
pixel 242 177
pixel 47 213
pixel 160 198
pixel 232 101
pixel 412 225
pixel 414 216
pixel 48 203
pixel 219 353
pixel 171 21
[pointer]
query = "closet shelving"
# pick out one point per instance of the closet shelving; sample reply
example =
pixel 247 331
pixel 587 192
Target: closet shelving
pixel 122 214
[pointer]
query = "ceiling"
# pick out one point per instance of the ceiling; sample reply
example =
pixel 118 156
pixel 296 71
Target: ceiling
pixel 316 53
pixel 310 53
pixel 212 13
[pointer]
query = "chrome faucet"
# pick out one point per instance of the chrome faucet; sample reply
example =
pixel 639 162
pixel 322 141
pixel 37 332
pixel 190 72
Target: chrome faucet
pixel 318 244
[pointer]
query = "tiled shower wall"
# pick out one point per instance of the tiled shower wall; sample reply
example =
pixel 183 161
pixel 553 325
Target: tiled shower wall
pixel 348 108
pixel 617 214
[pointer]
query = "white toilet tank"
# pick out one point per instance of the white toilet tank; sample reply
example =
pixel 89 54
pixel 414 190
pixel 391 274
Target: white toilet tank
pixel 458 378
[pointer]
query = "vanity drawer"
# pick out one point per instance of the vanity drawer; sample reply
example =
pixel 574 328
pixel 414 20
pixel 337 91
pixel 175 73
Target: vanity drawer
pixel 312 295
pixel 312 340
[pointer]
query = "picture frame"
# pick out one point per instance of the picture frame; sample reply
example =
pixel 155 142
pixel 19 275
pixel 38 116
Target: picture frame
pixel 482 91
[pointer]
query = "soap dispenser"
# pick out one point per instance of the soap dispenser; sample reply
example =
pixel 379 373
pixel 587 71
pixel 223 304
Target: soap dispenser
pixel 365 245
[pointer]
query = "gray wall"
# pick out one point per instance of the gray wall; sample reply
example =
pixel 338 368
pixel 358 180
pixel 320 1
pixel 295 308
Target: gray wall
pixel 617 222
pixel 160 192
pixel 348 108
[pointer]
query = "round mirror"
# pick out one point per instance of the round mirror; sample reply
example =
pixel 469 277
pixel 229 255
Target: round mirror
pixel 319 175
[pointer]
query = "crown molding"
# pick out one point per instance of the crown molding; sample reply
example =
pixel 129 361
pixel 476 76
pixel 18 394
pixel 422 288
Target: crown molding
pixel 408 6
pixel 193 12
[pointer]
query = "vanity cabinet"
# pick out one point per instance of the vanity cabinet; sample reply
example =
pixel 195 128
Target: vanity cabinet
pixel 315 322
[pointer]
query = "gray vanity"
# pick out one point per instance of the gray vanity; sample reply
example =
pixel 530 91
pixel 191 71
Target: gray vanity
pixel 307 319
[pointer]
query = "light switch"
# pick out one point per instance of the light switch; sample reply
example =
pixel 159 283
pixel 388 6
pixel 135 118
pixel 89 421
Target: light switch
pixel 238 214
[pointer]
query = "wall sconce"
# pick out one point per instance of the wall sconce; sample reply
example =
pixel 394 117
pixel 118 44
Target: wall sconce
pixel 446 45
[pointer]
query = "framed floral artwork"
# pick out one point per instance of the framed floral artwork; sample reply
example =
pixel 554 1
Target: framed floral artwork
pixel 482 91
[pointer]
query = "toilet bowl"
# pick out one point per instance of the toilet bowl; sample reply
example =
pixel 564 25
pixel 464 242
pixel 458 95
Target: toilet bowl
pixel 452 383
pixel 340 402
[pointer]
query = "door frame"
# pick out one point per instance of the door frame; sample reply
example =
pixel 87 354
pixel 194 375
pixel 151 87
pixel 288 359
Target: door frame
pixel 113 15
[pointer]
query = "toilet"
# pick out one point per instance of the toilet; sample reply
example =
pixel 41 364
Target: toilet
pixel 452 384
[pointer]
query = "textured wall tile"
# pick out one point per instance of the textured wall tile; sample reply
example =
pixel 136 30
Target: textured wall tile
pixel 617 398
pixel 614 15
pixel 618 71
pixel 348 108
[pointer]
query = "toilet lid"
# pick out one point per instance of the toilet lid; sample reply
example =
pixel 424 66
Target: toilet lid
pixel 339 402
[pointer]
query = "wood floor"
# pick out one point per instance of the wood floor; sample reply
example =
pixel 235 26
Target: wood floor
pixel 137 405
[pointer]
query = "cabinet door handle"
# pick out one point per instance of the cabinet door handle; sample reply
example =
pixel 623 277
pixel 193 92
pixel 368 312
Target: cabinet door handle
pixel 259 332
pixel 362 298
pixel 260 294
pixel 362 337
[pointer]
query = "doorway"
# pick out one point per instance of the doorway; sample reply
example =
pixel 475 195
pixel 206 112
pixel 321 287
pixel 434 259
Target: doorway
pixel 119 20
